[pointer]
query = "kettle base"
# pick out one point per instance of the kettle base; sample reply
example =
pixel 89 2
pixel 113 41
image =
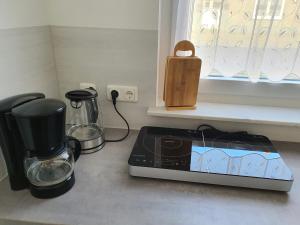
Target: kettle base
pixel 93 145
pixel 92 150
pixel 53 190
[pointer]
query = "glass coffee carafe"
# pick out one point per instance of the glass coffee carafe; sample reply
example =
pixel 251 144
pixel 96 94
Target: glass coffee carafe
pixel 52 170
pixel 84 120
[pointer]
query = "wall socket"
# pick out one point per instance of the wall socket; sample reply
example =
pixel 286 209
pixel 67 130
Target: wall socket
pixel 126 93
pixel 87 85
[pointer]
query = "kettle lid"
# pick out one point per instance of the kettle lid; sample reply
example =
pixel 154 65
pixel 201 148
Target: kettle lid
pixel 81 94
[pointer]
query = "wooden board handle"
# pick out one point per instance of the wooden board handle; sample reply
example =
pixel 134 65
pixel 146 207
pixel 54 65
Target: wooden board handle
pixel 184 45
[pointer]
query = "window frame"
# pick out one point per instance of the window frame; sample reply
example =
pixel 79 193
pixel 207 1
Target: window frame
pixel 223 90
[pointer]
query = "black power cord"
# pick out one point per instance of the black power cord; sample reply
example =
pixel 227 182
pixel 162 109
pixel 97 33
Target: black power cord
pixel 114 96
pixel 243 136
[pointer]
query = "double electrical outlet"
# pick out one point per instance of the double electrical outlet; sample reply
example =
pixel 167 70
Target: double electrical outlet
pixel 126 93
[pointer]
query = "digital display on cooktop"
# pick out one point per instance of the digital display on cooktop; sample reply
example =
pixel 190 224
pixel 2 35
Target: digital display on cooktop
pixel 189 150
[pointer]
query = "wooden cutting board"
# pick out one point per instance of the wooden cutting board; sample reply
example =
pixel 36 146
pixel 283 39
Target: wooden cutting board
pixel 182 78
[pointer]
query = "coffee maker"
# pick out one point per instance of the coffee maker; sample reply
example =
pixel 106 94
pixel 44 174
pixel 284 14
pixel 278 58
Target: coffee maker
pixel 38 154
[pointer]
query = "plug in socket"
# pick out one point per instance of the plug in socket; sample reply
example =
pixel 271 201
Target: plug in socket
pixel 126 93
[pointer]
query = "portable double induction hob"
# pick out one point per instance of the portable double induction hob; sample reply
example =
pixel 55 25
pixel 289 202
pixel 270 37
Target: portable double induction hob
pixel 209 156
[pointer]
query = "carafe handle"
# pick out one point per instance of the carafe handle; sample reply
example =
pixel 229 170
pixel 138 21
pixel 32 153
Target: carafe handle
pixel 77 147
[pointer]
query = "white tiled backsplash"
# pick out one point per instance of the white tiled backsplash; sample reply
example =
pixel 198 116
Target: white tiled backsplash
pixel 26 65
pixel 3 172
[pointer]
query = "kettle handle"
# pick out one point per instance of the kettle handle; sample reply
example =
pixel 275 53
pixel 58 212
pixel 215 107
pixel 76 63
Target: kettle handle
pixel 92 107
pixel 77 148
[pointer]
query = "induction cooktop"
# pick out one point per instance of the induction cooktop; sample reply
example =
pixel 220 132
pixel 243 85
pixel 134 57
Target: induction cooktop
pixel 209 156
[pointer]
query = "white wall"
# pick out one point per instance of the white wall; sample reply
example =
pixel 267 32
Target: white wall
pixel 22 13
pixel 26 54
pixel 27 62
pixel 124 14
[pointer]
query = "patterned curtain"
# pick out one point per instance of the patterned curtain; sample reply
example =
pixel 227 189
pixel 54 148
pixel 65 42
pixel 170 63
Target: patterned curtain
pixel 250 39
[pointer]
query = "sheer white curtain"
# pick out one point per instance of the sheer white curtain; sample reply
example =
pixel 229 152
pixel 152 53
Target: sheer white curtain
pixel 253 39
pixel 182 18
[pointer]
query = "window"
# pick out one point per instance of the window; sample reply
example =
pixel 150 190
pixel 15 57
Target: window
pixel 267 9
pixel 211 14
pixel 236 48
pixel 250 39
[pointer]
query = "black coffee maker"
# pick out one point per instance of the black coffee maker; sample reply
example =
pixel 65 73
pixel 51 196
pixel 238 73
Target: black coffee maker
pixel 37 153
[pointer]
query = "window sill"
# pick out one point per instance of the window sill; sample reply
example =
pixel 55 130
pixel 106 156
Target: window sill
pixel 234 113
pixel 244 79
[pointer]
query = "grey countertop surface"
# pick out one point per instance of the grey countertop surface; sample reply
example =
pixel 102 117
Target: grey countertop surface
pixel 105 194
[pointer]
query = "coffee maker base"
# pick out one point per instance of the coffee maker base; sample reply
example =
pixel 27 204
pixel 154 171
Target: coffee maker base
pixel 53 190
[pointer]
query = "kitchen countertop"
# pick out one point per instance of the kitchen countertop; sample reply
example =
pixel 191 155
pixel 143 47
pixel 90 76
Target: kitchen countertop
pixel 104 193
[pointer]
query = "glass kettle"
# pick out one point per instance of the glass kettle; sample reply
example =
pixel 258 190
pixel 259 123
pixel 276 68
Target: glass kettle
pixel 84 120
